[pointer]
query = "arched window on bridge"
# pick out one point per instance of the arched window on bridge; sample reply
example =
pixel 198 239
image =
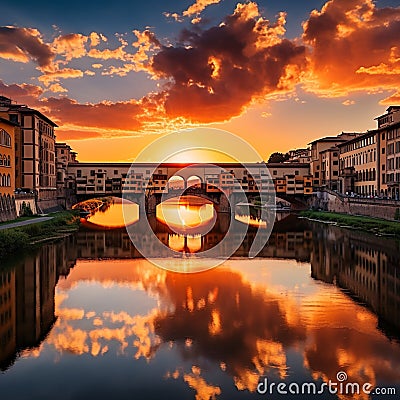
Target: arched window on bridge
pixel 176 182
pixel 194 182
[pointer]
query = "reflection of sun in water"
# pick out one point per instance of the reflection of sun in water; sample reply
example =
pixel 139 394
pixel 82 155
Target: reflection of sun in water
pixel 186 214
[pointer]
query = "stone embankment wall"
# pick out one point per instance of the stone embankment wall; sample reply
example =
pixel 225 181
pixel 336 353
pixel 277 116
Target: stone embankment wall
pixel 7 208
pixel 23 202
pixel 330 201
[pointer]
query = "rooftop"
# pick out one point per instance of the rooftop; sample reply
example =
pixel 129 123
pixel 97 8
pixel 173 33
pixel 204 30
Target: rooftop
pixel 6 121
pixel 7 102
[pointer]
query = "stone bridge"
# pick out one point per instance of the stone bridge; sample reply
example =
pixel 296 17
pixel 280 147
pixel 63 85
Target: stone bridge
pixel 146 183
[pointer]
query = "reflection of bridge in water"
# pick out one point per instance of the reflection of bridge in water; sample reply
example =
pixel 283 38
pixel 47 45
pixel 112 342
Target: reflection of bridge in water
pixel 365 266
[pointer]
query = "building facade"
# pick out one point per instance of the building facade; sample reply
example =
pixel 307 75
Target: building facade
pixel 317 147
pixel 329 173
pixel 291 178
pixel 389 129
pixel 7 157
pixel 65 187
pixel 360 164
pixel 302 156
pixel 34 150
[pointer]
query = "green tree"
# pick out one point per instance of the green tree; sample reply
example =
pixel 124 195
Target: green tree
pixel 278 157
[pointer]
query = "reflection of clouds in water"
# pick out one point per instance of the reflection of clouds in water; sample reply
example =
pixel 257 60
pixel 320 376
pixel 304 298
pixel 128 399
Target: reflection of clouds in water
pixel 106 328
pixel 204 390
pixel 242 322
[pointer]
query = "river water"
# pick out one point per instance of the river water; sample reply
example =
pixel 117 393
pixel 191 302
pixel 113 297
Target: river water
pixel 89 318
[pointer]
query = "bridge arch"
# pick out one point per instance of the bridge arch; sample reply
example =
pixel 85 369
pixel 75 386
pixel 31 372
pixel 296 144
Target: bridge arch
pixel 176 182
pixel 194 182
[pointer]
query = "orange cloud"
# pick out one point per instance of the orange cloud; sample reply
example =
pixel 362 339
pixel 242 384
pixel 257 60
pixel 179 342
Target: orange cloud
pixel 104 115
pixel 198 7
pixel 25 93
pixel 212 76
pixel 57 88
pixel 193 10
pixel 175 16
pixel 96 39
pixel 65 73
pixel 71 45
pixel 24 45
pixel 217 72
pixel 354 46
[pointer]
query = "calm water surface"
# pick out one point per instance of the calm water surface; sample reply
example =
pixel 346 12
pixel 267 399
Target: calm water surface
pixel 87 317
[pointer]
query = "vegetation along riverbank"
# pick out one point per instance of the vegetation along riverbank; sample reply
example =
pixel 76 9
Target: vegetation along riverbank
pixel 373 225
pixel 18 239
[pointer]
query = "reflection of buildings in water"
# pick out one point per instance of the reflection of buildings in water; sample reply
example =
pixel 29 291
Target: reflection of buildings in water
pixel 117 244
pixel 365 265
pixel 27 300
pixel 230 319
pixel 7 315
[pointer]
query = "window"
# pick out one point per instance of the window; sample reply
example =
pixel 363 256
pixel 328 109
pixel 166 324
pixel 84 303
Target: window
pixel 14 118
pixel 296 172
pixel 275 172
pixel 92 172
pixel 335 173
pixel 5 138
pixel 115 172
pixel 79 173
pixel 383 150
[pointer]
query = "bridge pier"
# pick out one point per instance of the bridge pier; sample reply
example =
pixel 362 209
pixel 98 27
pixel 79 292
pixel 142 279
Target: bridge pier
pixel 151 203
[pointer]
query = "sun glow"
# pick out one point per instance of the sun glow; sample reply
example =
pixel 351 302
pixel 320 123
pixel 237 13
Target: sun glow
pixel 187 214
pixel 199 156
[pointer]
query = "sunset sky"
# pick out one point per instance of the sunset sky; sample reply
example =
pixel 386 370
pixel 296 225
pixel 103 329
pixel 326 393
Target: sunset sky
pixel 116 75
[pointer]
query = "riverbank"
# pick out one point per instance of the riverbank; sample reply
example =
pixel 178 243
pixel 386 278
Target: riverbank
pixel 17 239
pixel 368 224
